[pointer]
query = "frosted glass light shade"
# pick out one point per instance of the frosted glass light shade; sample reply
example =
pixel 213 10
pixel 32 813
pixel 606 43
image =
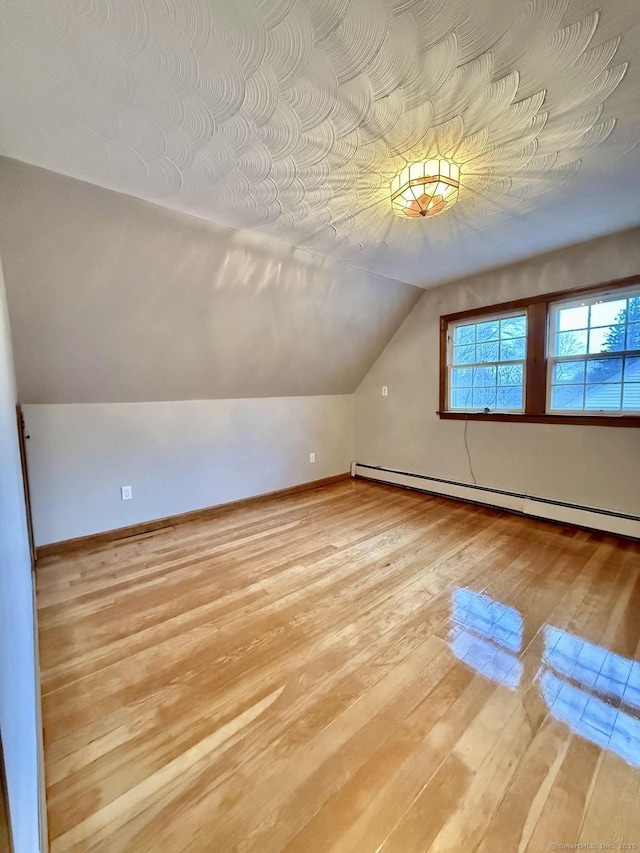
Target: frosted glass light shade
pixel 425 189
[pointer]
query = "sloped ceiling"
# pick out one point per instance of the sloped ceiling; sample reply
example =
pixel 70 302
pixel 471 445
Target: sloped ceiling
pixel 290 117
pixel 112 299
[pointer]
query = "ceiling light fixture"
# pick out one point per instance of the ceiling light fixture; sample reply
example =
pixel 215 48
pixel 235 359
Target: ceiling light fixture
pixel 425 189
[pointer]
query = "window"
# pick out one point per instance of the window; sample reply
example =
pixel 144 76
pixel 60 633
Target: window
pixel 564 357
pixel 594 354
pixel 486 363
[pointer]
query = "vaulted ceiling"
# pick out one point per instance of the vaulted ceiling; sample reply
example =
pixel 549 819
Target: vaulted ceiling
pixel 290 117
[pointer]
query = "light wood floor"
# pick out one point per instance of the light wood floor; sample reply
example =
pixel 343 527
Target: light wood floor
pixel 357 668
pixel 5 836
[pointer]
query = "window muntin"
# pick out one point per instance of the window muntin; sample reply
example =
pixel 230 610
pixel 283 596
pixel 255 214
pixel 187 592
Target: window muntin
pixel 594 355
pixel 486 363
pixel 588 360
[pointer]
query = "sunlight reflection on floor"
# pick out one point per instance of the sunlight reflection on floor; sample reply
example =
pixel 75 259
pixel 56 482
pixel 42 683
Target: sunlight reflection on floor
pixel 587 687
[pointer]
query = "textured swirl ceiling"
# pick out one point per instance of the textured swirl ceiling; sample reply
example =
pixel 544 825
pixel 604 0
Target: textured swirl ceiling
pixel 290 117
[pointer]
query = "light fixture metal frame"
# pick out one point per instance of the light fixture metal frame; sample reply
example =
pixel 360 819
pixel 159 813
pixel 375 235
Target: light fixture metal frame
pixel 400 205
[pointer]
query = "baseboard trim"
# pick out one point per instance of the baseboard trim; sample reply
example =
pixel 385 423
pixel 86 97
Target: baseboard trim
pixel 94 539
pixel 592 518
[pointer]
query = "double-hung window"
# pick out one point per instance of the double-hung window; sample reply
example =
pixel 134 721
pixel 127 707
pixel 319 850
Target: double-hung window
pixel 565 357
pixel 594 354
pixel 486 363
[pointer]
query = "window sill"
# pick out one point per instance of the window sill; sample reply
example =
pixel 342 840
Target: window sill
pixel 519 417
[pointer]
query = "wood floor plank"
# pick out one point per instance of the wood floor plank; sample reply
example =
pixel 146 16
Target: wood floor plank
pixel 405 636
pixel 356 668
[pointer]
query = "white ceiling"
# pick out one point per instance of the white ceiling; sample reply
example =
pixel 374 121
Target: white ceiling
pixel 290 117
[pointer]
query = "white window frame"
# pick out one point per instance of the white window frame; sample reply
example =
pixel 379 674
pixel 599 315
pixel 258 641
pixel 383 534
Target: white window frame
pixel 474 321
pixel 552 360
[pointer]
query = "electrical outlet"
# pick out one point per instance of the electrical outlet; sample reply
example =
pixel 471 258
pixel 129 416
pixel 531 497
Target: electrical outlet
pixel 385 391
pixel 126 493
pixel 312 457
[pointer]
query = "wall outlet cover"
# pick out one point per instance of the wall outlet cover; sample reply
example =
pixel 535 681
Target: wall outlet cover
pixel 126 493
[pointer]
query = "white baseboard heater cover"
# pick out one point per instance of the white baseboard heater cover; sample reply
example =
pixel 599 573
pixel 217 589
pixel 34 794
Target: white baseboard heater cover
pixel 583 516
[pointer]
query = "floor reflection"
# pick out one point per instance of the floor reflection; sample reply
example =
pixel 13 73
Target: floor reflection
pixel 589 688
pixel 487 635
pixel 594 691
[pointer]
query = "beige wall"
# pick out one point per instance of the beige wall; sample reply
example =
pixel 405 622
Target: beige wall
pixel 113 299
pixel 18 689
pixel 593 466
pixel 177 456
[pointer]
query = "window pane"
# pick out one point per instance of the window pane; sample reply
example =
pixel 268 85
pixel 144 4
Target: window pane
pixel 461 377
pixel 509 398
pixel 606 313
pixel 632 369
pixel 568 372
pixel 603 397
pixel 514 327
pixel 567 397
pixel 464 355
pixel 476 372
pixel 631 397
pixel 511 374
pixel 633 336
pixel 512 349
pixel 488 331
pixel 488 352
pixel 573 318
pixel 461 398
pixel 612 385
pixel 485 376
pixel 611 325
pixel 484 397
pixel 570 343
pixel 606 339
pixel 464 334
pixel 604 370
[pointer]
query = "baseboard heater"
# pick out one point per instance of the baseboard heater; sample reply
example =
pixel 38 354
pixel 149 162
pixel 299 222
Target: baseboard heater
pixel 583 516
